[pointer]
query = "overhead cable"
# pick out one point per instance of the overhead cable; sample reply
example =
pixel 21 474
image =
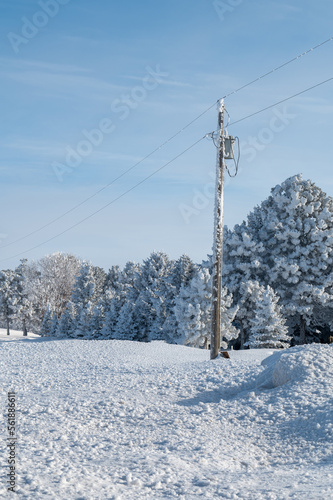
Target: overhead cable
pixel 56 219
pixel 280 102
pixel 107 204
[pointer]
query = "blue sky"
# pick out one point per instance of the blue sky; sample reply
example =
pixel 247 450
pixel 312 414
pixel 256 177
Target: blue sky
pixel 138 72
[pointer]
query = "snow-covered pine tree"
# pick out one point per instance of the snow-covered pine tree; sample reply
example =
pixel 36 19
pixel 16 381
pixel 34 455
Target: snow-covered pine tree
pixel 182 272
pixel 295 225
pixel 9 296
pixel 84 287
pixel 45 328
pixel 267 326
pixel 128 325
pixel 149 308
pixel 96 322
pixel 111 317
pixel 87 292
pixel 228 314
pixel 49 324
pixel 24 308
pixel 242 259
pixel 54 325
pixel 113 278
pixel 249 294
pixel 68 322
pixel 121 288
pixel 193 311
pixel 289 246
pixel 83 318
pixel 33 298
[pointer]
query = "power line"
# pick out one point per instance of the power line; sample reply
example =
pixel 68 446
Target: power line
pixel 160 168
pixel 280 102
pixel 107 204
pixel 279 67
pixel 163 144
pixel 110 183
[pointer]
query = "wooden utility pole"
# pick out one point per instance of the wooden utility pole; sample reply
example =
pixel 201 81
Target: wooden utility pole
pixel 215 344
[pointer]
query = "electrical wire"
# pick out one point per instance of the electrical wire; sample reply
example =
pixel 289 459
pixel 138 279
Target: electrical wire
pixel 107 204
pixel 163 144
pixel 110 183
pixel 279 67
pixel 280 102
pixel 160 168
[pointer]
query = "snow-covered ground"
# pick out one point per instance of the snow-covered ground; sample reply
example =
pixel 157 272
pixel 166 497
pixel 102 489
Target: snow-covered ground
pixel 125 420
pixel 15 335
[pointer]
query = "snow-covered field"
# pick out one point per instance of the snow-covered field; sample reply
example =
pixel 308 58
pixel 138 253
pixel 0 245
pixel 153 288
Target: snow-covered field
pixel 125 420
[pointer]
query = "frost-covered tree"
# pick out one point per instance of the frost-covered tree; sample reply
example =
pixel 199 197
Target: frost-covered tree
pixel 84 287
pixel 9 296
pixel 149 305
pixel 193 311
pixel 87 292
pixel 24 307
pixel 181 274
pixel 242 259
pixel 89 320
pixel 228 314
pixel 33 309
pixel 120 289
pixel 128 325
pixel 46 323
pixel 267 325
pixel 57 277
pixel 49 324
pixel 48 283
pixel 111 317
pixel 68 321
pixel 54 325
pixel 83 317
pixel 96 322
pixel 289 246
pixel 249 294
pixel 296 229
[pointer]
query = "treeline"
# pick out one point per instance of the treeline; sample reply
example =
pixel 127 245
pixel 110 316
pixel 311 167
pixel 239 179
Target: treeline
pixel 277 275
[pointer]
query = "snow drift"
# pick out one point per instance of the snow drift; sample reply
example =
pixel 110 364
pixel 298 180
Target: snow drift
pixel 307 365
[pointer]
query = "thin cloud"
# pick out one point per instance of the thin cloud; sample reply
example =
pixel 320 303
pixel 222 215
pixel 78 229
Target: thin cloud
pixel 43 65
pixel 31 147
pixel 167 82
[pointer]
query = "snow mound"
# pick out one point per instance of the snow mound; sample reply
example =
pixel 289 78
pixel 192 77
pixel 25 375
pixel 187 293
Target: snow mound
pixel 304 364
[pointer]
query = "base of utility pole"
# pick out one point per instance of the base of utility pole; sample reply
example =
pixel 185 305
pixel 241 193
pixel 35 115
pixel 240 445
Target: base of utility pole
pixel 218 241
